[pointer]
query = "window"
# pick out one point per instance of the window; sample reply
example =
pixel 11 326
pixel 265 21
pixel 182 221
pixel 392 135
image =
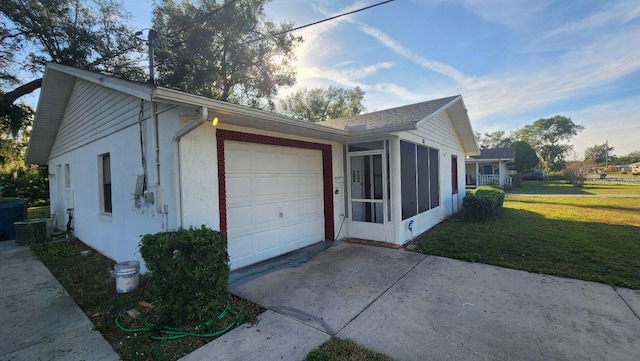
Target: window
pixel 104 163
pixel 454 174
pixel 67 176
pixel 419 187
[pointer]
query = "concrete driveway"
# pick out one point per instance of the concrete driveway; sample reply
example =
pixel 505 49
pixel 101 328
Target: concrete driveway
pixel 415 307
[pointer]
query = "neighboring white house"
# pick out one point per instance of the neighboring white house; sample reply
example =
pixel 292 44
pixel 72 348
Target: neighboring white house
pixel 491 167
pixel 127 159
pixel 635 168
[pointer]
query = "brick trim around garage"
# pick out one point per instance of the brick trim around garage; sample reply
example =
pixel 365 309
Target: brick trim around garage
pixel 327 171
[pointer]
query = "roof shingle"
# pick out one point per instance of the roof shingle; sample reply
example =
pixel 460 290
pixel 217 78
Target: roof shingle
pixel 412 113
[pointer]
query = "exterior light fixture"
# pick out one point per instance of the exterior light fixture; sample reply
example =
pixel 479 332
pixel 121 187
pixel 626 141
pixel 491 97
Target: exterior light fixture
pixel 214 122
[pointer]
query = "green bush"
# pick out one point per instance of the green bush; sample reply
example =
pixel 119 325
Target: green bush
pixel 483 203
pixel 556 175
pixel 189 274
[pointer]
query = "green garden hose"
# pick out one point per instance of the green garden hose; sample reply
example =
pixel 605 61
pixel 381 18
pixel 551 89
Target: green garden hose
pixel 172 333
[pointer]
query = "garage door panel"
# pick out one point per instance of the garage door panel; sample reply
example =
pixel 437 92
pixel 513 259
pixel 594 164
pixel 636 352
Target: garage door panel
pixel 291 209
pixel 241 247
pixel 291 185
pixel 312 229
pixel 267 187
pixel 292 234
pixel 311 206
pixel 265 158
pixel 237 187
pixel 312 185
pixel 290 162
pixel 266 213
pixel 266 240
pixel 241 158
pixel 240 217
pixel 276 205
pixel 310 162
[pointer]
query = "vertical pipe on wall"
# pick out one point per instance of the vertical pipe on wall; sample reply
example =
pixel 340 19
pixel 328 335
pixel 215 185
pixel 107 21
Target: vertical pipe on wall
pixel 203 114
pixel 155 143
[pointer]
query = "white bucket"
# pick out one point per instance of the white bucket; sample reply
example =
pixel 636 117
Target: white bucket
pixel 127 276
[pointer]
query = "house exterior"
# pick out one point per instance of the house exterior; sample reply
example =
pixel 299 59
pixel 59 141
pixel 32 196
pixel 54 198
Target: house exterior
pixel 129 159
pixel 490 167
pixel 635 168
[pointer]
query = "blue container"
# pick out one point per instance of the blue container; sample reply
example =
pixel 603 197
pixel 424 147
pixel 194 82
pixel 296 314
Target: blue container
pixel 9 213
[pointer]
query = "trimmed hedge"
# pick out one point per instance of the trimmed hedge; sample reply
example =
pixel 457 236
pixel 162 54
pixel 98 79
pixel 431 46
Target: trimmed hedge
pixel 189 273
pixel 483 203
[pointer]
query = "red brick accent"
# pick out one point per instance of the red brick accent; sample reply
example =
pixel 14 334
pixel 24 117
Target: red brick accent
pixel 327 171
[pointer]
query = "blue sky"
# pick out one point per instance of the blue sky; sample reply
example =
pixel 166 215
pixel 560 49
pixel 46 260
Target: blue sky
pixel 512 61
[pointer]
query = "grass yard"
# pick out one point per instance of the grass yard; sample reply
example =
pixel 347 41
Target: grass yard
pixel 344 350
pixel 589 238
pixel 563 187
pixel 38 212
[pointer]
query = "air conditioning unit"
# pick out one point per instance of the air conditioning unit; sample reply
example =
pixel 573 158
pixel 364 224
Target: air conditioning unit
pixel 32 230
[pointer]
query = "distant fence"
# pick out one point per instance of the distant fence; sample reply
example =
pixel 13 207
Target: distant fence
pixel 614 180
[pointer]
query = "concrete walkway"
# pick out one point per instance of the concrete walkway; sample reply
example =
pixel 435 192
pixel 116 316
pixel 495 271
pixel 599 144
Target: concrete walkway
pixel 39 319
pixel 415 307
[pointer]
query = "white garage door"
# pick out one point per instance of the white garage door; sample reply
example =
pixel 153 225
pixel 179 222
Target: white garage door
pixel 274 200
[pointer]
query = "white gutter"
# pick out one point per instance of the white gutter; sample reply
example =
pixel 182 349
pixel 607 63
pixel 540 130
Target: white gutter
pixel 202 116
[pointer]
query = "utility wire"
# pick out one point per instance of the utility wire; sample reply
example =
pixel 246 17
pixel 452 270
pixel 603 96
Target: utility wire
pixel 317 22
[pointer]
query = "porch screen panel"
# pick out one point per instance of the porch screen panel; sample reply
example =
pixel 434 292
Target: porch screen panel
pixel 423 179
pixel 434 183
pixel 408 179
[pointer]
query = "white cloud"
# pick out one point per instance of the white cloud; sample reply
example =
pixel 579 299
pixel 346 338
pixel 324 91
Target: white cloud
pixel 616 14
pixel 515 14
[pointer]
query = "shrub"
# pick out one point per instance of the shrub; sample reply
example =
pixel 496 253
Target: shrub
pixel 483 203
pixel 189 274
pixel 556 175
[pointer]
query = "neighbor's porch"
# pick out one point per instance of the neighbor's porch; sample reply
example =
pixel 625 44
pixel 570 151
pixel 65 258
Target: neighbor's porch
pixel 487 174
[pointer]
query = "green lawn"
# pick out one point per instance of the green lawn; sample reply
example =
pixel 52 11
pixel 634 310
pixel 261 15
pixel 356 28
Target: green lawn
pixel 563 187
pixel 344 350
pixel 38 212
pixel 594 239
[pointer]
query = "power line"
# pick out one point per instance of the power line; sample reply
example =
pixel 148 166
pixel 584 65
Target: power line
pixel 317 22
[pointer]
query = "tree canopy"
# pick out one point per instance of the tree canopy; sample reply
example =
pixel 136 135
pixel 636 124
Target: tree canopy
pixel 526 157
pixel 93 35
pixel 320 104
pixel 224 50
pixel 496 139
pixel 600 154
pixel 546 135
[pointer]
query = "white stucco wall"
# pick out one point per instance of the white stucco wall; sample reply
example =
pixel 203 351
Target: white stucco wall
pixel 117 234
pixel 199 166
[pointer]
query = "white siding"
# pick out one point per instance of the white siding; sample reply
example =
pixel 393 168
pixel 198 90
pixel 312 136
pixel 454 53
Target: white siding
pixel 98 121
pixel 437 132
pixel 94 112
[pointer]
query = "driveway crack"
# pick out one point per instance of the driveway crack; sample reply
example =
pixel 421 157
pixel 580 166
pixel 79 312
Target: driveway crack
pixel 626 303
pixel 382 294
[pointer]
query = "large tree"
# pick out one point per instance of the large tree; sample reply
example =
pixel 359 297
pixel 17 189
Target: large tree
pixel 320 104
pixel 526 157
pixel 495 139
pixel 547 137
pixel 226 50
pixel 632 157
pixel 599 154
pixel 93 35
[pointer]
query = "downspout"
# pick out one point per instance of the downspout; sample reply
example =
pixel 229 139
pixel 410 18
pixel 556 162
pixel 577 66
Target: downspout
pixel 200 119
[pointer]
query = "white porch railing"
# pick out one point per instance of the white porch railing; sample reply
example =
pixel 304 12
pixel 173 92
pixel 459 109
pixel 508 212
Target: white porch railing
pixel 495 180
